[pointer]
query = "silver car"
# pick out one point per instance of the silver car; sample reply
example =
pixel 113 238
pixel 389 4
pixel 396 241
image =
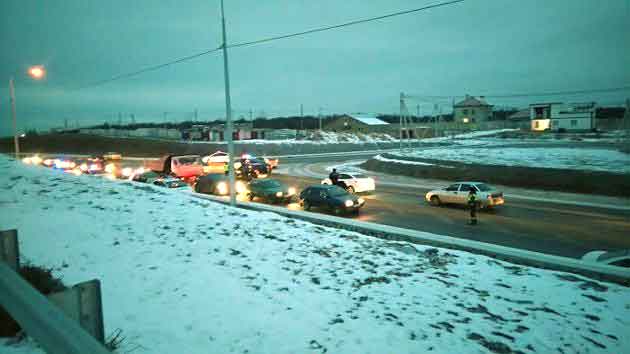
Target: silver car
pixel 457 193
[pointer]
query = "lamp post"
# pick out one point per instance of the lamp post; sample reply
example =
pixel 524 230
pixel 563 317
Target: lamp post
pixel 37 72
pixel 228 114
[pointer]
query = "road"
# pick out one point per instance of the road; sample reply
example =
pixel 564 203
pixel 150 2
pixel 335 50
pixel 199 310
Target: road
pixel 547 227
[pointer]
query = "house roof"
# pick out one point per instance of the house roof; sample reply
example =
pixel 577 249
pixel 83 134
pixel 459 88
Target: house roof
pixel 368 120
pixel 523 114
pixel 471 101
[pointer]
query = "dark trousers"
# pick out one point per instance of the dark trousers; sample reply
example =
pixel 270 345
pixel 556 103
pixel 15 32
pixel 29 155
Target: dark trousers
pixel 473 213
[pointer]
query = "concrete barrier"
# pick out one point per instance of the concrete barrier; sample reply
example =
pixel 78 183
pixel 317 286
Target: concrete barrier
pixel 519 256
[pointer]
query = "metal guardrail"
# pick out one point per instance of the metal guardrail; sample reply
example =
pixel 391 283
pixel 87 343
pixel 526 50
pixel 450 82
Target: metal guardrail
pixel 514 255
pixel 43 321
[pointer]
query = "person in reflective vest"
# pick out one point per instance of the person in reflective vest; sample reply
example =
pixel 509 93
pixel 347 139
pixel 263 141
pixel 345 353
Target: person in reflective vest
pixel 226 168
pixel 472 204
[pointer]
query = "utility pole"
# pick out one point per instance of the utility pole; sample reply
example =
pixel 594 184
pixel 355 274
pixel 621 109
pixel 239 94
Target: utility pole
pixel 16 141
pixel 319 115
pixel 228 113
pixel 195 115
pixel 133 118
pixel 251 115
pixel 301 116
pixel 417 111
pixel 400 119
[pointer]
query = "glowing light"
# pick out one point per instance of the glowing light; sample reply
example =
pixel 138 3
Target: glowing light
pixel 361 200
pixel 292 190
pixel 127 171
pixel 36 160
pixel 240 187
pixel 37 72
pixel 110 168
pixel 77 172
pixel 348 203
pixel 222 188
pixel 26 160
pixel 83 167
pixel 465 120
pixel 49 162
pixel 278 194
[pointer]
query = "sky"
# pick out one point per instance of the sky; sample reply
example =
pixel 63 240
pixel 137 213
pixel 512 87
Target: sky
pixel 477 47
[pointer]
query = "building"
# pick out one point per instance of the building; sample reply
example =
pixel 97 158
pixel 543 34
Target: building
pixel 557 116
pixel 472 110
pixel 240 131
pixel 354 123
pixel 520 119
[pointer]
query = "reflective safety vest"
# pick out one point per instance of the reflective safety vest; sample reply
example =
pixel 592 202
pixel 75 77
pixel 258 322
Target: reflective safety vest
pixel 226 167
pixel 472 199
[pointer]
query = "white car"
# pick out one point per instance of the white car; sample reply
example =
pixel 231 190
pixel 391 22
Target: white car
pixel 355 182
pixel 457 193
pixel 614 258
pixel 218 157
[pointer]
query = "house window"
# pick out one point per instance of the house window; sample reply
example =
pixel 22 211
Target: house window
pixel 465 111
pixel 574 123
pixel 472 112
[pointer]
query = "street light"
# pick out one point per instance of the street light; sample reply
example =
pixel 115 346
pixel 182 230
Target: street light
pixel 37 72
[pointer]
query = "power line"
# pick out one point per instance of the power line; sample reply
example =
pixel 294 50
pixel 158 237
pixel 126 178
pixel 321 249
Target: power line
pixel 264 40
pixel 351 23
pixel 150 68
pixel 533 94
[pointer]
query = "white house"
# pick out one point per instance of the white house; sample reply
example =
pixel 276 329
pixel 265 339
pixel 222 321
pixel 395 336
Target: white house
pixel 556 116
pixel 472 110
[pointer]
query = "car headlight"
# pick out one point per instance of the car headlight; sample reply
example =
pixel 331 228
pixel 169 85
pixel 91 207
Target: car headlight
pixel 240 187
pixel 36 160
pixel 292 191
pixel 278 194
pixel 348 203
pixel 26 160
pixel 110 167
pixel 127 171
pixel 222 188
pixel 361 200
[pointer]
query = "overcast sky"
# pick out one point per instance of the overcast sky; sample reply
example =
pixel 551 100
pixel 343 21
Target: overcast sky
pixel 477 47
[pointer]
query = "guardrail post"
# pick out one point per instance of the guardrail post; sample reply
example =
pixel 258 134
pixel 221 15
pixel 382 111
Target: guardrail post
pixel 9 249
pixel 82 302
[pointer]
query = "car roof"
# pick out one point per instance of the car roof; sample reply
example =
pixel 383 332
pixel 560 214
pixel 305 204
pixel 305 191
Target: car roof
pixel 469 182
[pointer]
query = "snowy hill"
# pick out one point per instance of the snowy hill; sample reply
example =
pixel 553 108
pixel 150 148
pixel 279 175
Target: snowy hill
pixel 184 275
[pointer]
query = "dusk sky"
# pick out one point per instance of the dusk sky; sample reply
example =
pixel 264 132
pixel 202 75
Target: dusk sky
pixel 480 47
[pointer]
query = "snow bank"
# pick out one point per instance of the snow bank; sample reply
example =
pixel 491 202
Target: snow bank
pixel 549 157
pixel 183 275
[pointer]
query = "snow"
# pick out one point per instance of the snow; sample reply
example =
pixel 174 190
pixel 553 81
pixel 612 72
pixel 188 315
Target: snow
pixel 550 157
pixel 369 120
pixel 185 275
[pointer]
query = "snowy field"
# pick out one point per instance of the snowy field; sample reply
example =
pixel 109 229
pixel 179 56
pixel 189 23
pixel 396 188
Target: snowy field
pixel 185 275
pixel 549 157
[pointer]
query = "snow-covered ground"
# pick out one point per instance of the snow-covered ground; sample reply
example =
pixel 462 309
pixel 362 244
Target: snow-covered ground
pixel 184 275
pixel 550 157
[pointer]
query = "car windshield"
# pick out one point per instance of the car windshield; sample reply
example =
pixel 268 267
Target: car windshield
pixel 360 175
pixel 269 183
pixel 337 192
pixel 188 160
pixel 483 187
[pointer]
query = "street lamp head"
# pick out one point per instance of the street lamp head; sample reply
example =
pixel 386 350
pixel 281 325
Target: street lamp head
pixel 37 72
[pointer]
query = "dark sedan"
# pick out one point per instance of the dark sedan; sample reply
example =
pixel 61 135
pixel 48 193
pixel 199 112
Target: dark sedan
pixel 333 198
pixel 270 190
pixel 217 184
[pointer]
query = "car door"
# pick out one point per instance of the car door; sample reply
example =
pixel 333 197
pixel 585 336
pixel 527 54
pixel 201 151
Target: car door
pixel 449 195
pixel 461 196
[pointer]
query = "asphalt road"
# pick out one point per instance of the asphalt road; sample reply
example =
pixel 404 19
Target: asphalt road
pixel 551 228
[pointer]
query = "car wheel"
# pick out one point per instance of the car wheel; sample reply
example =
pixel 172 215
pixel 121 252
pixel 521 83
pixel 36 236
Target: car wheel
pixel 350 189
pixel 435 200
pixel 306 205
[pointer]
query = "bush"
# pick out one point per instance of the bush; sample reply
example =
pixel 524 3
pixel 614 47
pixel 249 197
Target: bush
pixel 41 279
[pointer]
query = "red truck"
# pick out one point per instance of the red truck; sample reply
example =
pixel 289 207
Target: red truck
pixel 182 166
